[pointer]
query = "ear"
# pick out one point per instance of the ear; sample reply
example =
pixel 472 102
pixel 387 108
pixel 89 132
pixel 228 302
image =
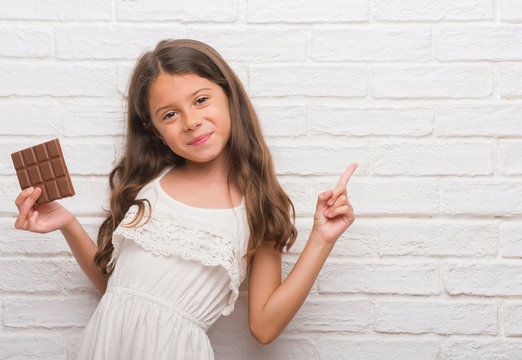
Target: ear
pixel 148 125
pixel 157 134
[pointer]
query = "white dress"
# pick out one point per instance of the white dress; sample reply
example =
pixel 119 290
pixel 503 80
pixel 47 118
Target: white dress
pixel 175 275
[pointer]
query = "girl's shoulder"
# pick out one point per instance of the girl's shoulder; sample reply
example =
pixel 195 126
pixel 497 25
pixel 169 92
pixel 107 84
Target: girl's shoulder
pixel 150 191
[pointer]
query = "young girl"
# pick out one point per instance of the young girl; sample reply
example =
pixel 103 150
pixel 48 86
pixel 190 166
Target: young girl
pixel 194 203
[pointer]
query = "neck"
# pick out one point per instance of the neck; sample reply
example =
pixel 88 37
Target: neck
pixel 216 170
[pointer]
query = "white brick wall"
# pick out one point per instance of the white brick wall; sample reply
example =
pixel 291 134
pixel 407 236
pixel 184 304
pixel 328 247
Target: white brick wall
pixel 425 95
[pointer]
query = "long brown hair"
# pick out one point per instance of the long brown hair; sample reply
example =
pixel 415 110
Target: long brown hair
pixel 268 207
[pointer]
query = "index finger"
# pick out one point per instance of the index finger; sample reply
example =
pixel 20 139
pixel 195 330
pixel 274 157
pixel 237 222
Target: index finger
pixel 345 177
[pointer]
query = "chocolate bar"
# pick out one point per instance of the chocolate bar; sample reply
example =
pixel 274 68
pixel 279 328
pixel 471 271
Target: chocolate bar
pixel 43 166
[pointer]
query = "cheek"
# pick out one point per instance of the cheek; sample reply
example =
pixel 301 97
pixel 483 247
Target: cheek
pixel 172 141
pixel 229 130
pixel 175 148
pixel 226 120
pixel 226 127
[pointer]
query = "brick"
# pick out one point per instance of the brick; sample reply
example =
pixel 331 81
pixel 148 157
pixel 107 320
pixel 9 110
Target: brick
pixel 64 79
pixel 308 80
pixel 433 81
pixel 511 157
pixel 431 237
pixel 481 348
pixel 49 312
pixel 282 118
pixel 511 239
pixel 314 11
pixel 341 348
pixel 319 160
pixel 479 120
pixel 319 313
pixel 438 317
pixel 484 197
pixel 73 341
pixel 109 41
pixel 31 275
pixel 492 278
pixel 92 196
pixel 300 192
pixel 290 347
pixel 510 10
pixel 510 78
pixel 90 117
pixel 390 197
pixel 479 43
pixel 254 44
pixel 26 41
pixel 33 346
pixel 372 44
pixel 56 10
pixel 241 71
pixel 177 10
pixel 76 149
pixel 14 9
pixel 513 318
pixel 427 10
pixel 379 278
pixel 37 118
pixel 357 241
pixel 18 242
pixel 434 158
pixel 367 121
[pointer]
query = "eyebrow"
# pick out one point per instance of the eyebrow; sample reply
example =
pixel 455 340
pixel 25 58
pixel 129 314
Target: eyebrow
pixel 191 95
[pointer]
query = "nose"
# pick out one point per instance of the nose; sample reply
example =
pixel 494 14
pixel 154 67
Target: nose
pixel 192 120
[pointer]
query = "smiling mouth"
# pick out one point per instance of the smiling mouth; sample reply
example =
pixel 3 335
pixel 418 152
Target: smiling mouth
pixel 200 139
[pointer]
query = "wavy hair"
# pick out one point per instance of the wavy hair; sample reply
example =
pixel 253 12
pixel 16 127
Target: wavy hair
pixel 268 207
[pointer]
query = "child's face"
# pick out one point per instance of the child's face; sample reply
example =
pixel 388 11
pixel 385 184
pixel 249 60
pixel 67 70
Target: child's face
pixel 191 115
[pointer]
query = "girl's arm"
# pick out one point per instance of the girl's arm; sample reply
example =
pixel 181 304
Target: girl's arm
pixel 272 304
pixel 84 249
pixel 53 216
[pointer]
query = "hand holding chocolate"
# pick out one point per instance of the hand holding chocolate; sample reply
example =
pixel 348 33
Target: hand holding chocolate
pixel 43 166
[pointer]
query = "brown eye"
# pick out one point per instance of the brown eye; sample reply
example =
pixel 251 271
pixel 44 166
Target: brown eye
pixel 201 100
pixel 169 115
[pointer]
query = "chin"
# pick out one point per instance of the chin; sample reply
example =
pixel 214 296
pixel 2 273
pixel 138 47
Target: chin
pixel 200 160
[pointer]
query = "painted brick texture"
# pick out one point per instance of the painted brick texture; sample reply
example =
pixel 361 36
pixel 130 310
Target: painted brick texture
pixel 426 96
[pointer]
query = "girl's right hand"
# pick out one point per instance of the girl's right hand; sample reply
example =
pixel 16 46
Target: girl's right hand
pixel 42 219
